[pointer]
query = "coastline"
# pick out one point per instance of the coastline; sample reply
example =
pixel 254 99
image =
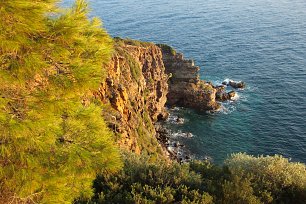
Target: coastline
pixel 144 80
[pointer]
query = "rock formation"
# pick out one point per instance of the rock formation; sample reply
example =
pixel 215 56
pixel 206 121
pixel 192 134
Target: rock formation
pixel 136 89
pixel 235 84
pixel 185 87
pixel 222 95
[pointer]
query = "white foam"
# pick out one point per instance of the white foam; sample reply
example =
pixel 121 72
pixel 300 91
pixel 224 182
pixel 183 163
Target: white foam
pixel 227 80
pixel 219 82
pixel 174 119
pixel 226 108
pixel 182 134
pixel 170 148
pixel 175 108
pixel 236 97
pixel 208 158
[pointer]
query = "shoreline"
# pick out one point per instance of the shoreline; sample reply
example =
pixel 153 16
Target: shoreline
pixel 174 148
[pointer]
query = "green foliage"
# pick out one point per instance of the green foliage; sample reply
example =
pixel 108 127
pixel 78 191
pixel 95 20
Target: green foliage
pixel 54 141
pixel 144 182
pixel 146 140
pixel 274 178
pixel 167 49
pixel 132 65
pixel 128 41
pixel 213 177
pixel 206 87
pixel 135 69
pixel 51 144
pixel 239 190
pixel 243 181
pixel 148 121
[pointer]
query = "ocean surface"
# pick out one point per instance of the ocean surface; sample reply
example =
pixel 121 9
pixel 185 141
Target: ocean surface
pixel 261 42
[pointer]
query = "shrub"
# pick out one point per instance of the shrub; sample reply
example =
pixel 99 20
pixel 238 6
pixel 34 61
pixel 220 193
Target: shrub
pixel 142 181
pixel 167 49
pixel 243 180
pixel 271 176
pixel 128 41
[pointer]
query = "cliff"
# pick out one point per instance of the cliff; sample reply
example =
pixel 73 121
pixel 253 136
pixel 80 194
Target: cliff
pixel 142 78
pixel 136 89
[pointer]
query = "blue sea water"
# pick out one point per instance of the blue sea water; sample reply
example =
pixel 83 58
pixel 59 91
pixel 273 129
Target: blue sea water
pixel 261 42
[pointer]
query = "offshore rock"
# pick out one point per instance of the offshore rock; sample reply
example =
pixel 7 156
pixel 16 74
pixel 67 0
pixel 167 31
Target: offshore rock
pixel 222 95
pixel 231 94
pixel 237 85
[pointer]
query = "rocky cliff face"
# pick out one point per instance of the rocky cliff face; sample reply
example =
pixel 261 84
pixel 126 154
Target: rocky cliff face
pixel 185 87
pixel 136 89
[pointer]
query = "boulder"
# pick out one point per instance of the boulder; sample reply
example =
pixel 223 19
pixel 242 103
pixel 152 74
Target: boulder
pixel 231 94
pixel 237 85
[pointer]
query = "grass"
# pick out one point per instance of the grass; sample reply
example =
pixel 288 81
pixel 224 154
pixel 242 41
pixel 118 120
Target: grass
pixel 128 41
pixel 167 48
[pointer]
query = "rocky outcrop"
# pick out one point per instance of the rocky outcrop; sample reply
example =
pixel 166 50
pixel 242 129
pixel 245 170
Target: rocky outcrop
pixel 141 79
pixel 235 84
pixel 222 95
pixel 135 89
pixel 185 87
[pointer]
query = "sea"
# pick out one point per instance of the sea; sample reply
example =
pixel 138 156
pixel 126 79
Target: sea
pixel 260 42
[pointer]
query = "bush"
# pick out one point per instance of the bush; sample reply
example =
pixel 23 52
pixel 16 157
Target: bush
pixel 273 178
pixel 243 180
pixel 144 182
pixel 128 41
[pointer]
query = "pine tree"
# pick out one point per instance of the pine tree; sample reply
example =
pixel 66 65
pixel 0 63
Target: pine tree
pixel 53 140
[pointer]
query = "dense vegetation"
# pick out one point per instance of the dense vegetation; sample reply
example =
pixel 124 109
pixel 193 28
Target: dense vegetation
pixel 243 179
pixel 53 139
pixel 55 146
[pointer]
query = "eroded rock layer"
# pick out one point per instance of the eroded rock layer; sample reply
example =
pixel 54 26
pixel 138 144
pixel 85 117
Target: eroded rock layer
pixel 185 87
pixel 136 89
